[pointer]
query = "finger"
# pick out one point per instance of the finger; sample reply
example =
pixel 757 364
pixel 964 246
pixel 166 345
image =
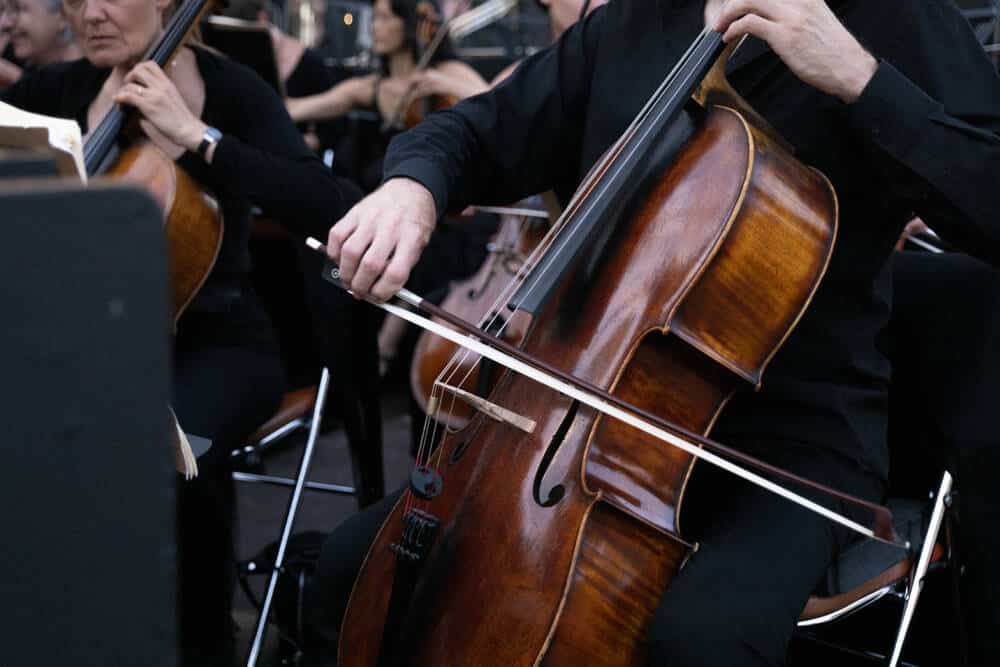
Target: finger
pixel 340 233
pixel 751 24
pixel 132 94
pixel 138 75
pixel 735 9
pixel 373 263
pixel 353 249
pixel 397 272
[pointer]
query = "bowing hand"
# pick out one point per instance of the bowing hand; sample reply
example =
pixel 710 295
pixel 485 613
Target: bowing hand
pixel 429 82
pixel 165 114
pixel 808 37
pixel 379 241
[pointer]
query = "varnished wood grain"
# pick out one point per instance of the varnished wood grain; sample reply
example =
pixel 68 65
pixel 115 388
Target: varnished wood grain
pixel 512 580
pixel 192 220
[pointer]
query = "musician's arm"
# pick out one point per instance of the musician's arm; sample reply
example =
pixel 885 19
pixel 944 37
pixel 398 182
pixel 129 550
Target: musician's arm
pixel 933 109
pixel 458 79
pixel 266 161
pixel 510 141
pixel 333 103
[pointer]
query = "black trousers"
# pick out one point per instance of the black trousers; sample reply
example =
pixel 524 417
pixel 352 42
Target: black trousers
pixel 227 381
pixel 735 603
pixel 946 371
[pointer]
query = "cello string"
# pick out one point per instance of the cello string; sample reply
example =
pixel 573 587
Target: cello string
pixel 628 147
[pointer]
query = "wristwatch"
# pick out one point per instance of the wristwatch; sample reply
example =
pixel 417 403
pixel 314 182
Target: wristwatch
pixel 210 136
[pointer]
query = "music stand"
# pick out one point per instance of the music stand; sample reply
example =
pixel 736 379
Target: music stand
pixel 246 42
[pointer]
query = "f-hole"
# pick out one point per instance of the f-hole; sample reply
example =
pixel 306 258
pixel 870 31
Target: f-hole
pixel 555 494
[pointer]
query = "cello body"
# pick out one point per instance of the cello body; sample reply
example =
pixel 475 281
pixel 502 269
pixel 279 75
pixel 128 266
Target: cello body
pixel 473 300
pixel 192 219
pixel 554 547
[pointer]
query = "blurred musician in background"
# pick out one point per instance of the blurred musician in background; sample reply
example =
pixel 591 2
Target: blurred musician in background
pixel 300 68
pixel 227 377
pixel 41 33
pixel 10 69
pixel 398 84
pixel 395 26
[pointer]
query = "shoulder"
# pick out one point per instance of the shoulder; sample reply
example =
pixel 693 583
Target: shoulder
pixel 225 77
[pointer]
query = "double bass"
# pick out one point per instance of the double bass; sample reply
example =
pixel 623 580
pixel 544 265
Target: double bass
pixel 544 532
pixel 192 219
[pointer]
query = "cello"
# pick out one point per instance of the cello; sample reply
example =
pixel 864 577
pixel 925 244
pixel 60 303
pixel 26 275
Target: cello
pixel 192 219
pixel 543 520
pixel 475 299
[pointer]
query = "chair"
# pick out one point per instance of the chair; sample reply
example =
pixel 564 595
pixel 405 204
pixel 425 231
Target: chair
pixel 354 396
pixel 945 371
pixel 290 417
pixel 871 571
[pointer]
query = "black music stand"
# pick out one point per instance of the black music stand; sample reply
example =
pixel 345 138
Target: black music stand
pixel 88 556
pixel 245 42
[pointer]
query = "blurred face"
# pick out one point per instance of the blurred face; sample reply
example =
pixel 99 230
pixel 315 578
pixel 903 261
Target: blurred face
pixel 38 34
pixel 7 19
pixel 388 31
pixel 115 32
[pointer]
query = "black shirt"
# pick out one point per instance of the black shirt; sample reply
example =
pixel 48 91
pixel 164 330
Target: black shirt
pixel 923 138
pixel 260 160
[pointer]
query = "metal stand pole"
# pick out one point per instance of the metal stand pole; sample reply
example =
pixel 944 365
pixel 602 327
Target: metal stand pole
pixel 917 578
pixel 293 505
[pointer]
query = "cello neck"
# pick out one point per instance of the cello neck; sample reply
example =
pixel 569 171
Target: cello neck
pixel 100 146
pixel 655 136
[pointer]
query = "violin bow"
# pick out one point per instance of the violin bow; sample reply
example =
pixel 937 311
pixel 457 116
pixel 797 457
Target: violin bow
pixel 472 338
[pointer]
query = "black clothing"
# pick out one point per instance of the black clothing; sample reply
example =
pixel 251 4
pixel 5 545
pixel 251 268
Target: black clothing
pixel 311 77
pixel 946 370
pixel 260 159
pixel 9 55
pixel 227 381
pixel 227 376
pixel 923 137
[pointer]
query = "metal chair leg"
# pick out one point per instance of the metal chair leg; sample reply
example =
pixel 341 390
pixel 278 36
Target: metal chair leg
pixel 917 578
pixel 293 506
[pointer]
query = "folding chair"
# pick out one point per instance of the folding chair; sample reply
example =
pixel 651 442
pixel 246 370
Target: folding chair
pixel 871 571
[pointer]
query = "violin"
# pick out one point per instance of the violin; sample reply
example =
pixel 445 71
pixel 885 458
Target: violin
pixel 191 218
pixel 544 531
pixel 431 32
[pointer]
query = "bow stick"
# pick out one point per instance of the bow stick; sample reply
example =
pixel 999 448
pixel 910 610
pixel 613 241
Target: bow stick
pixel 474 339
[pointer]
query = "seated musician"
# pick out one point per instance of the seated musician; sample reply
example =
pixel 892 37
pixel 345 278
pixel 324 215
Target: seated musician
pixel 10 66
pixel 894 101
pixel 41 33
pixel 397 85
pixel 231 133
pixel 301 69
pixel 396 88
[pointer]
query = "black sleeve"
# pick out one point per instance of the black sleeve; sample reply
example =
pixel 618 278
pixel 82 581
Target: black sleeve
pixel 309 77
pixel 35 91
pixel 932 111
pixel 511 141
pixel 261 157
